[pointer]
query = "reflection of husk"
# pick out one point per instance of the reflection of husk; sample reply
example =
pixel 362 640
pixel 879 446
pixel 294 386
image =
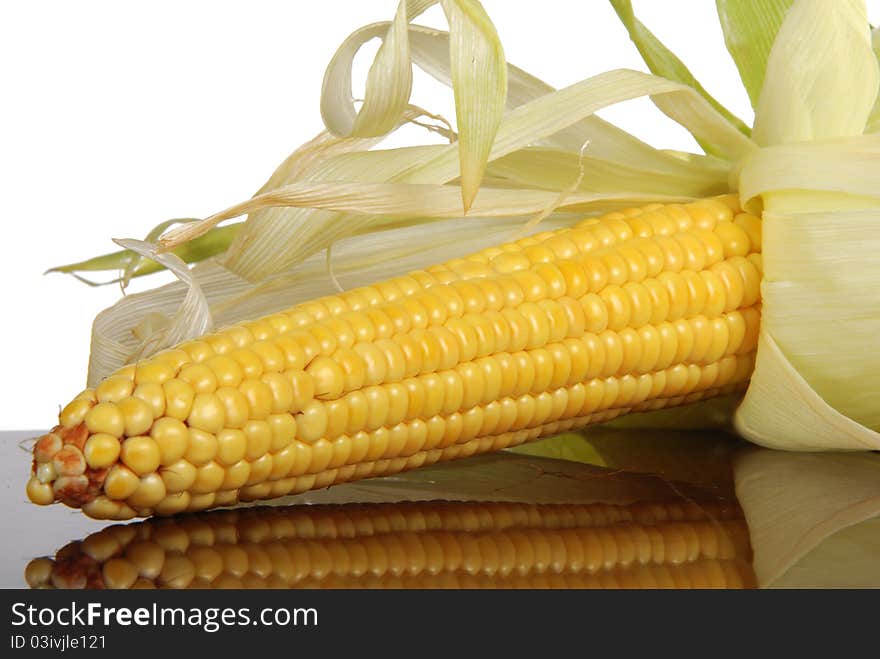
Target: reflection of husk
pixel 625 530
pixel 813 518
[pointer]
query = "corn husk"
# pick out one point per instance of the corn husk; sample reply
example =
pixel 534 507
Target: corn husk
pixel 524 153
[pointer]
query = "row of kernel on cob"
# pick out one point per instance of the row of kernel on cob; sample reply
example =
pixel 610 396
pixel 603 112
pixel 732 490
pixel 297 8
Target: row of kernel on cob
pixel 656 544
pixel 637 310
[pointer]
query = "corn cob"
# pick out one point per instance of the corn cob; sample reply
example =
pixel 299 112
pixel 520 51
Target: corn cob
pixel 634 311
pixel 416 545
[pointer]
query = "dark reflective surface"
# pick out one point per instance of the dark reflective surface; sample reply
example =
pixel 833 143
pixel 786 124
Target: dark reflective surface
pixel 606 509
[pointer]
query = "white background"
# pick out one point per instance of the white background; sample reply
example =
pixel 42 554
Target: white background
pixel 116 116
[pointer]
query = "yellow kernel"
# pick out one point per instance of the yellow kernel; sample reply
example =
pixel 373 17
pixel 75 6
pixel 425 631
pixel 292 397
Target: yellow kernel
pixel 632 350
pixel 153 371
pixel 138 416
pixel 337 417
pixel 684 335
pixel 322 454
pixel 736 328
pixel 221 342
pixel 575 318
pixel 173 504
pixel 352 411
pixel 327 376
pixel 282 392
pixel 378 406
pixel 694 249
pixel 140 454
pixel 259 439
pixel 172 437
pixel 698 293
pixel 227 371
pixel 201 501
pixel 178 476
pixel 39 493
pixel 398 402
pixel 466 338
pixel 752 227
pixel 120 483
pixel 236 475
pixel 561 365
pixel 543 369
pixel 231 446
pixel 174 357
pixel 179 397
pixel 311 423
pixel 453 391
pixel 523 366
pixel 734 238
pixel 375 364
pixel 303 388
pixel 273 359
pixel 733 284
pixel 533 286
pixel 343 332
pixel 508 262
pixel 282 462
pixel 677 294
pixel 114 389
pixel 153 395
pixel 259 398
pixel 235 407
pixel 251 365
pixel 199 377
pixel 208 413
pixel 720 339
pixel 283 430
pixel 557 319
pixel 360 446
pixel 294 356
pixel 209 477
pixel 202 447
pixel 619 307
pixel 105 418
pixel 649 338
pixel 260 469
pixel 75 412
pixel 519 329
pixel 101 450
pixel 198 351
pixel 640 304
pixel 352 367
pixel 613 348
pixel 325 337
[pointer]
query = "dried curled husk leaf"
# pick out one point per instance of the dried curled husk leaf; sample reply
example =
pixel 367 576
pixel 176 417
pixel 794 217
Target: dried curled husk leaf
pixel 151 330
pixel 478 77
pixel 288 237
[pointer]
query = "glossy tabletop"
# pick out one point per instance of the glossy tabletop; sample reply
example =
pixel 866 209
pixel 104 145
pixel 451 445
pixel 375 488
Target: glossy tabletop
pixel 606 508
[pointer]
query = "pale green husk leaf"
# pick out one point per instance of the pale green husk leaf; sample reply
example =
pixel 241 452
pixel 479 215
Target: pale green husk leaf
pixel 816 376
pixel 821 80
pixel 750 28
pixel 664 63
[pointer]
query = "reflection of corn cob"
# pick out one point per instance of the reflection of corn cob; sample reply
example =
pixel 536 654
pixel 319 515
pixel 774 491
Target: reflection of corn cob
pixel 425 545
pixel 637 310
